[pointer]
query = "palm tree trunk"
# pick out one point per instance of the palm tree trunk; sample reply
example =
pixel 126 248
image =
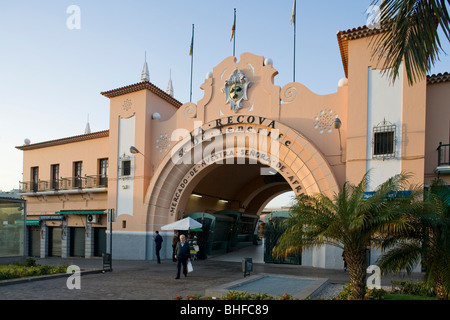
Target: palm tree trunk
pixel 356 263
pixel 441 292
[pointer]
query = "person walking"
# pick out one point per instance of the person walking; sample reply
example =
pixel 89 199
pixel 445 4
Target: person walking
pixel 183 255
pixel 158 240
pixel 174 245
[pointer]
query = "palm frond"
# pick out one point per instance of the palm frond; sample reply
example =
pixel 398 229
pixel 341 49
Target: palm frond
pixel 404 256
pixel 411 36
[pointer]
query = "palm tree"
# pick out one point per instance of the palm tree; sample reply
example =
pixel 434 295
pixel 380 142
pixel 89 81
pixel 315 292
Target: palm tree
pixel 412 35
pixel 350 221
pixel 426 241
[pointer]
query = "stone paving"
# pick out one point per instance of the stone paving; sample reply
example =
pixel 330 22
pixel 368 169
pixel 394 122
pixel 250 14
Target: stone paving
pixel 147 280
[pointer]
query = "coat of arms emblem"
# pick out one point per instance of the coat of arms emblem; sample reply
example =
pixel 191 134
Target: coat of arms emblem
pixel 236 89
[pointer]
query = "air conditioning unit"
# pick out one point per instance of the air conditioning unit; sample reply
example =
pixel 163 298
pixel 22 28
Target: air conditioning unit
pixel 92 218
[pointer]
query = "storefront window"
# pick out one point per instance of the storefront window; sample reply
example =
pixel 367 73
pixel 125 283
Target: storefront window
pixel 12 227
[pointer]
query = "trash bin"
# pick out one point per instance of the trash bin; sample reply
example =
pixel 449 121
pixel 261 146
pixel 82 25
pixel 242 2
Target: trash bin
pixel 247 266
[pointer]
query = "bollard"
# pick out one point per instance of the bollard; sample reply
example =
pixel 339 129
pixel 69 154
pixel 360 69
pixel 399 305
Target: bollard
pixel 247 266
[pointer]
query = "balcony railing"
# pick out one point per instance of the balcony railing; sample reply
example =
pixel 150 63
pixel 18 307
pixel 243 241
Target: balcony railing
pixel 443 154
pixel 69 183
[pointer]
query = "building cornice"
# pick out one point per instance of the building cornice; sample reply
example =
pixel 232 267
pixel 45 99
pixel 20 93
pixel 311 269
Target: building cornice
pixel 83 137
pixel 438 78
pixel 344 37
pixel 142 86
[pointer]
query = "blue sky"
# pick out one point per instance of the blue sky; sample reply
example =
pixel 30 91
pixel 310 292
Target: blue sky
pixel 51 76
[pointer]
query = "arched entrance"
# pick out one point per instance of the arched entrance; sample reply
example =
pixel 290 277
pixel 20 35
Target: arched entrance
pixel 235 186
pixel 242 159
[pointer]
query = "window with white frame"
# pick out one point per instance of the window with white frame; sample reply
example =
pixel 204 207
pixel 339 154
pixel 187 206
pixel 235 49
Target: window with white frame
pixel 125 166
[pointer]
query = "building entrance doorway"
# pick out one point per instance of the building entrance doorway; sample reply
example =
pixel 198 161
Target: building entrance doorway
pixel 225 172
pixel 228 200
pixel 235 165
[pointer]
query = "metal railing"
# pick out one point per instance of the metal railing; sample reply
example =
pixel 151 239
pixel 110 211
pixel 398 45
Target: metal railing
pixel 443 154
pixel 69 183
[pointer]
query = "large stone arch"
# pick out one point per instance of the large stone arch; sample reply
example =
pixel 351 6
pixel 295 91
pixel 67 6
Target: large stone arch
pixel 293 156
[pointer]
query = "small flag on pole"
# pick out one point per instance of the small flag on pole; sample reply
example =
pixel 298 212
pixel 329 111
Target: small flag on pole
pixel 293 21
pixel 191 53
pixel 234 26
pixel 191 50
pixel 293 13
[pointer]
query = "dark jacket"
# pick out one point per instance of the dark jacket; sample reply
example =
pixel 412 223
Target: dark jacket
pixel 174 241
pixel 158 240
pixel 183 252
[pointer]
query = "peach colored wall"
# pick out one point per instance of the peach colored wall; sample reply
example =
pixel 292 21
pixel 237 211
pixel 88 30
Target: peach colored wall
pixel 294 108
pixel 437 127
pixel 413 104
pixel 313 159
pixel 49 204
pixel 359 61
pixel 143 105
pixel 301 112
pixel 413 142
pixel 88 151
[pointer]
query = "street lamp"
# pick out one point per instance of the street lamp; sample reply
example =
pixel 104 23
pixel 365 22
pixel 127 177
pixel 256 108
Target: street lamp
pixel 134 150
pixel 337 123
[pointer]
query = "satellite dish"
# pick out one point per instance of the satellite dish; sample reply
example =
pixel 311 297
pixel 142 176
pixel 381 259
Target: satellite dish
pixel 26 141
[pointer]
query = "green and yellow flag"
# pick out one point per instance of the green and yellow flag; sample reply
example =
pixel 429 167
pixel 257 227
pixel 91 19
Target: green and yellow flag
pixel 293 15
pixel 191 50
pixel 233 28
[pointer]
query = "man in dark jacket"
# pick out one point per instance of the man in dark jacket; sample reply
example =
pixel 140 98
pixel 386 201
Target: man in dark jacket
pixel 158 240
pixel 183 255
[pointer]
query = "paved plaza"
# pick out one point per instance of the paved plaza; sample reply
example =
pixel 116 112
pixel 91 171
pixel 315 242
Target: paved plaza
pixel 147 280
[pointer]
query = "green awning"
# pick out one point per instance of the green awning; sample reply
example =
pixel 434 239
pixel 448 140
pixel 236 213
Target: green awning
pixel 50 217
pixel 32 222
pixel 81 212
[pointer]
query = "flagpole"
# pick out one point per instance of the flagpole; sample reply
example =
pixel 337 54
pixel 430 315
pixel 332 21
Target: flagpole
pixel 295 33
pixel 192 60
pixel 234 34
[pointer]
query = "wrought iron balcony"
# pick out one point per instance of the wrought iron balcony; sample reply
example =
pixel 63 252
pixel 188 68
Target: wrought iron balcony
pixel 444 154
pixel 69 183
pixel 443 158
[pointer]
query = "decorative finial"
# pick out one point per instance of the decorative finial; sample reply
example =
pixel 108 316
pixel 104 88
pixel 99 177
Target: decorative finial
pixel 169 90
pixel 145 75
pixel 87 130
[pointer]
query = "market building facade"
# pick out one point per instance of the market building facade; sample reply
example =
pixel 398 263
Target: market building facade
pixel 226 156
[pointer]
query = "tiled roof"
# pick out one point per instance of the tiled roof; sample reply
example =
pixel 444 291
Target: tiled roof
pixel 351 34
pixel 364 31
pixel 83 137
pixel 438 78
pixel 141 86
pixel 360 32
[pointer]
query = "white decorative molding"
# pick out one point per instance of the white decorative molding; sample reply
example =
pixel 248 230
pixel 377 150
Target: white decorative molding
pixel 324 120
pixel 190 111
pixel 289 94
pixel 163 142
pixel 236 89
pixel 127 104
pixel 127 128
